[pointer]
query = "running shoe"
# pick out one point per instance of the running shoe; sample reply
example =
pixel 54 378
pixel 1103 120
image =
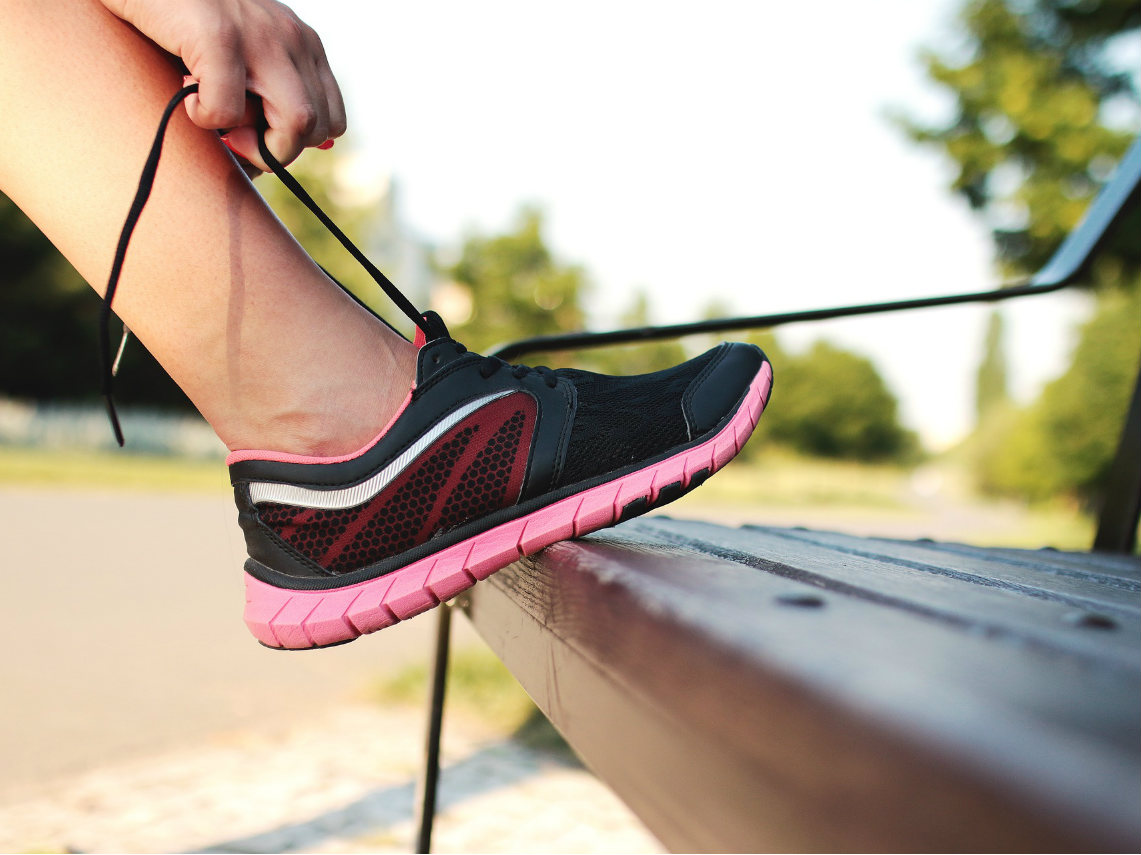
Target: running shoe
pixel 485 463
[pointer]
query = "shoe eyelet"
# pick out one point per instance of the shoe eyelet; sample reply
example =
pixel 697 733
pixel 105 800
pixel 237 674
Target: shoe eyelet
pixel 435 359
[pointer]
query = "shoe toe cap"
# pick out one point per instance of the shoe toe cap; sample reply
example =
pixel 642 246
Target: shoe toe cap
pixel 715 393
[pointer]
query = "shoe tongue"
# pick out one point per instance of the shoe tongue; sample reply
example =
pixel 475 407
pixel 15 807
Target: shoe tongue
pixel 435 349
pixel 434 356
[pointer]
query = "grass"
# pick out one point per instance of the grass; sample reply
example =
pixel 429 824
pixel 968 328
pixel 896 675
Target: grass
pixel 934 500
pixel 779 477
pixel 109 470
pixel 478 683
pixel 480 686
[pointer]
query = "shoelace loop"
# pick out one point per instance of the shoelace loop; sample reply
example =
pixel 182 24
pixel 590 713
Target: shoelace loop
pixel 491 364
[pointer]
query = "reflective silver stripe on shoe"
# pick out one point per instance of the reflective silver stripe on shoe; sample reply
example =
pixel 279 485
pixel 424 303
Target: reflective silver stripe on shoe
pixel 349 497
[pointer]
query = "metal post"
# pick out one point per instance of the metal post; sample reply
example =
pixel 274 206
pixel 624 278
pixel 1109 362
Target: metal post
pixel 1117 525
pixel 430 772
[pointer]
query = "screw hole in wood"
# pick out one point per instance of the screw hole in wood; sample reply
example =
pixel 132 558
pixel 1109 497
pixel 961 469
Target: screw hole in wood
pixel 801 601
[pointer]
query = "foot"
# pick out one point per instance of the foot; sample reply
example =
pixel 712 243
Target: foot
pixel 485 463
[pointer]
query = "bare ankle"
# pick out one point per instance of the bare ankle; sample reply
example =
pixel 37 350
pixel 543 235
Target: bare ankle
pixel 332 415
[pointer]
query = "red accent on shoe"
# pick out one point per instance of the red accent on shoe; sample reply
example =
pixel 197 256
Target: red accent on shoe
pixel 474 469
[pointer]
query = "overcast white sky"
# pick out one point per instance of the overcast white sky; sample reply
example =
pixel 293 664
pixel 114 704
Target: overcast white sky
pixel 733 151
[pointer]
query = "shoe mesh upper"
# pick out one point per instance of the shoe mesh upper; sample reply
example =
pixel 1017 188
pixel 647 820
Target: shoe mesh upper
pixel 621 421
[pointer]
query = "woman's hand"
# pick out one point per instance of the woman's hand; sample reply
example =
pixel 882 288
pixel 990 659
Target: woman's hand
pixel 232 47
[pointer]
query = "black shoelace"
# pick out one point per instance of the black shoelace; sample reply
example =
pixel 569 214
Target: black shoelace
pixel 429 323
pixel 491 364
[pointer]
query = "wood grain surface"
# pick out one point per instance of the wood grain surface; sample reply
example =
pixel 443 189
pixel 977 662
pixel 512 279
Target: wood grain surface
pixel 762 689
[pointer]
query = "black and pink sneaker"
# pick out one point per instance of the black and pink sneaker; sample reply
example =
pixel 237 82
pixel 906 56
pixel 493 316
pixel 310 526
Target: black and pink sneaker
pixel 486 462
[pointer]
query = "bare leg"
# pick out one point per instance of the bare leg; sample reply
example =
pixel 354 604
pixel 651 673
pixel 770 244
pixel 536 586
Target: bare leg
pixel 271 352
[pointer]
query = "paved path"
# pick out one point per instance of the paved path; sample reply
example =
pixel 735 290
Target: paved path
pixel 341 782
pixel 139 714
pixel 123 618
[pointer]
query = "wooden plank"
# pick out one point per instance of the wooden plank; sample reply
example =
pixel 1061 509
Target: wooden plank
pixel 1035 573
pixel 981 596
pixel 736 708
pixel 1124 567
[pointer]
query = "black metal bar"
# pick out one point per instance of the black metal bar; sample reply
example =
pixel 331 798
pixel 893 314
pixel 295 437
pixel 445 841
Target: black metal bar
pixel 1119 196
pixel 584 340
pixel 430 774
pixel 1121 508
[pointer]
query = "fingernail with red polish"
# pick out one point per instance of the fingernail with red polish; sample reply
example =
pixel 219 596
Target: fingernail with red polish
pixel 326 145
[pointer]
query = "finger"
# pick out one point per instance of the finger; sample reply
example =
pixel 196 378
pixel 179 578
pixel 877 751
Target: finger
pixel 247 167
pixel 221 98
pixel 296 114
pixel 338 119
pixel 243 142
pixel 284 144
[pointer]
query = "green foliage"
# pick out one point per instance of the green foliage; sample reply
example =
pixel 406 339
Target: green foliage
pixel 515 288
pixel 1030 137
pixel 1064 443
pixel 116 470
pixel 481 686
pixel 767 341
pixel 1035 133
pixel 45 308
pixel 48 327
pixel 633 358
pixel 478 683
pixel 990 381
pixel 833 403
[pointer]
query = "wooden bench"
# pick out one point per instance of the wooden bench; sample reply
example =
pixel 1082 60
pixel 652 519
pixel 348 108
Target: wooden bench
pixel 759 688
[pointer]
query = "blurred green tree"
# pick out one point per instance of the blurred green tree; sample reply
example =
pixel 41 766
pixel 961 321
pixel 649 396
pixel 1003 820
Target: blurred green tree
pixel 990 380
pixel 1064 443
pixel 49 316
pixel 632 358
pixel 1044 108
pixel 48 327
pixel 831 402
pixel 1041 115
pixel 512 287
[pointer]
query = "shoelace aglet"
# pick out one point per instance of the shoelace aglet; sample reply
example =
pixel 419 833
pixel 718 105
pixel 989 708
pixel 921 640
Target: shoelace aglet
pixel 112 414
pixel 114 417
pixel 119 354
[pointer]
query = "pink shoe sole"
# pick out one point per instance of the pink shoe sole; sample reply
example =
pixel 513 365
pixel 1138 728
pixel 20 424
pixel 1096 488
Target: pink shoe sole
pixel 292 619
